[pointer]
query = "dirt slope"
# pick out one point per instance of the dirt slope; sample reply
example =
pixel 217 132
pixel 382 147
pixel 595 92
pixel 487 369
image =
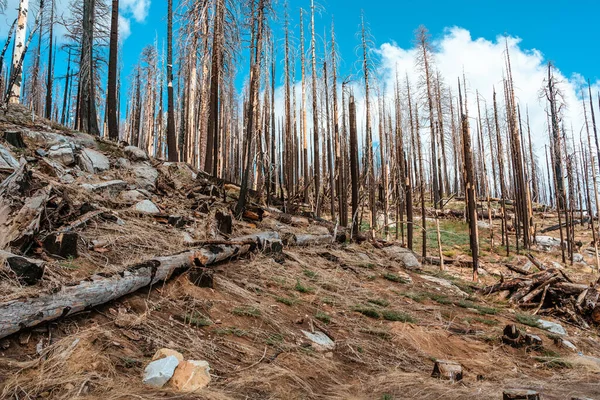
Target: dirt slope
pixel 389 322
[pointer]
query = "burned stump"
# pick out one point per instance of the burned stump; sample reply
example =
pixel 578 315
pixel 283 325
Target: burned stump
pixel 520 394
pixel 202 277
pixel 62 244
pixel 447 370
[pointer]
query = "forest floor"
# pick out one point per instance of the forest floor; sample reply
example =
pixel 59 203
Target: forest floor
pixel 389 321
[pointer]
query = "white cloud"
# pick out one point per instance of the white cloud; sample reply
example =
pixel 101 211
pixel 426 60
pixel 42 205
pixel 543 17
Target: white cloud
pixel 124 28
pixel 482 62
pixel 138 9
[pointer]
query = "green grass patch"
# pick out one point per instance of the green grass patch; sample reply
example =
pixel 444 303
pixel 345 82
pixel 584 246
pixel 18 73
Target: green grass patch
pixel 439 298
pixel 554 363
pixel 378 333
pixel 274 339
pixel 482 309
pixel 367 311
pixel 286 300
pixel 390 315
pixel 529 320
pixel 247 311
pixel 379 302
pixel 323 317
pixel 418 297
pixel 394 278
pixel 303 289
pixel 310 274
pixel 196 319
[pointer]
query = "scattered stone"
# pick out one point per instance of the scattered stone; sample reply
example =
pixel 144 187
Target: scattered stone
pixel 135 153
pixel 483 225
pixel 7 160
pixel 146 207
pixel 67 179
pixel 405 256
pixel 145 176
pixel 112 187
pixel 577 258
pixel 565 343
pixel 41 152
pixel 448 370
pixel 63 244
pixel 164 352
pixel 445 283
pixel 187 238
pixel 122 163
pixel 131 196
pixel 93 161
pixel 556 265
pixel 63 153
pixel 547 243
pixel 552 327
pixel 158 372
pixel 527 266
pixel 321 340
pixel 191 375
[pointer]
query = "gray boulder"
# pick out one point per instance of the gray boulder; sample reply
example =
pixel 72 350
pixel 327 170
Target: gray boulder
pixel 145 176
pixel 547 243
pixel 93 161
pixel 63 153
pixel 404 256
pixel 552 327
pixel 131 196
pixel 111 187
pixel 146 207
pixel 7 160
pixel 135 153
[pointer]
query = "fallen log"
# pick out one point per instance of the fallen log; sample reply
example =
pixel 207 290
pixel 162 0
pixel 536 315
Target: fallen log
pixel 537 263
pixel 291 239
pixel 28 312
pixel 448 370
pixel 564 224
pixel 520 394
pixel 518 269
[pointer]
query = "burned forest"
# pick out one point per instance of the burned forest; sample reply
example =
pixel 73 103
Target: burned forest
pixel 265 202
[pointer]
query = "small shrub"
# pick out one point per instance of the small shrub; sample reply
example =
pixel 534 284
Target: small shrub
pixel 529 320
pixel 418 297
pixel 377 332
pixel 488 322
pixel 482 309
pixel 440 298
pixel 310 274
pixel 231 331
pixel 397 316
pixel 379 302
pixel 368 312
pixel 247 311
pixel 286 300
pixel 303 289
pixel 394 278
pixel 196 319
pixel 323 317
pixel 274 339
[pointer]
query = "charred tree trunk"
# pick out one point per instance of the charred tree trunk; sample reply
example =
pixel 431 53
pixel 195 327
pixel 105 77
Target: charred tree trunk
pixel 111 101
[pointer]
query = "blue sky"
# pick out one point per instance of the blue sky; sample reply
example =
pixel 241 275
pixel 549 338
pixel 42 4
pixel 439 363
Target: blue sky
pixel 562 31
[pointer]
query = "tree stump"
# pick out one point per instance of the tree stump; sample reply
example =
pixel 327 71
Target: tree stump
pixel 15 138
pixel 520 394
pixel 224 222
pixel 27 270
pixel 448 370
pixel 62 244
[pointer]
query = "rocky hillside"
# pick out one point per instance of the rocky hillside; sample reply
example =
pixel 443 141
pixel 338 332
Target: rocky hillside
pixel 127 277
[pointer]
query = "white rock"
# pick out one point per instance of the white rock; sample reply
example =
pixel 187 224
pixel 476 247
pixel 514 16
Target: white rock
pixel 404 256
pixel 63 153
pixel 445 283
pixel 577 258
pixel 146 207
pixel 322 341
pixel 93 161
pixel 145 176
pixel 552 327
pixel 483 225
pixel 158 372
pixel 7 160
pixel 113 187
pixel 135 153
pixel 547 243
pixel 67 179
pixel 568 345
pixel 131 196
